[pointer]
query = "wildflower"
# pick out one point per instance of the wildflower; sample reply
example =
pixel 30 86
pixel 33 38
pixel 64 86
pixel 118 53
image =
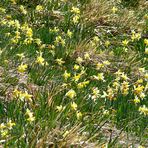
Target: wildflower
pixel 125 42
pixel 16 93
pixel 38 42
pixel 100 76
pixel 105 112
pixel 77 77
pixel 110 94
pixel 66 75
pixel 118 73
pixel 142 95
pixel 59 61
pixel 22 68
pixel 2 126
pixel 16 24
pixel 4 133
pixel 21 55
pixel 86 56
pixel 114 9
pixel 116 86
pixel 28 40
pixel 30 118
pixel 2 10
pixel 135 36
pixel 23 10
pixel 59 40
pixel 10 124
pixel 146 42
pixel 54 30
pixel 74 106
pixel 138 90
pixel 136 100
pixel 75 19
pixel 82 84
pixel 143 110
pixel 106 63
pixel 146 16
pixel 75 10
pixel 39 8
pixel 27 96
pixel 96 39
pixel 107 43
pixel 125 88
pixel 60 108
pixel 104 95
pixel 69 33
pixel 99 66
pixel 146 76
pixel 29 32
pixel 71 94
pixel 76 67
pixel 139 81
pixel 40 60
pixel 142 70
pixel 146 51
pixel 79 115
pixel 95 93
pixel 124 76
pixel 79 60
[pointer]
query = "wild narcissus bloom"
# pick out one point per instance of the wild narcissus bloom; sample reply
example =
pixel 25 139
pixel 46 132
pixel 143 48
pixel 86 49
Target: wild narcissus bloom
pixel 71 94
pixel 100 76
pixel 79 60
pixel 143 110
pixel 75 19
pixel 60 108
pixel 74 106
pixel 69 33
pixel 39 8
pixel 114 9
pixel 23 10
pixel 146 42
pixel 10 124
pixel 75 10
pixel 22 68
pixel 79 115
pixel 136 100
pixel 146 50
pixel 60 61
pixel 76 67
pixel 27 96
pixel 125 42
pixel 87 56
pixel 138 89
pixel 59 40
pixel 66 75
pixel 82 84
pixel 30 118
pixel 40 60
pixel 107 43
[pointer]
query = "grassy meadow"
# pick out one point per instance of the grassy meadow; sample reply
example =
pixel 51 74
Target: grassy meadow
pixel 73 73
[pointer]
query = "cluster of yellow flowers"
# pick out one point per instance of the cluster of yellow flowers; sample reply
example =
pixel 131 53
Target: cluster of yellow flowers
pixel 22 95
pixel 5 128
pixel 76 14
